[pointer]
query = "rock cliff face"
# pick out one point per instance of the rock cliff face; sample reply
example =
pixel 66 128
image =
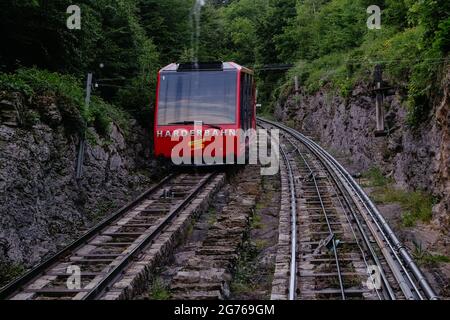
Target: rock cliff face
pixel 416 159
pixel 42 205
pixel 442 183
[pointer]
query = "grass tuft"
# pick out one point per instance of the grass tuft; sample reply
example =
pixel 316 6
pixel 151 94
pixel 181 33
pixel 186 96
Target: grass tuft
pixel 9 271
pixel 159 290
pixel 245 269
pixel 416 205
pixel 426 258
pixel 376 177
pixel 69 91
pixel 256 222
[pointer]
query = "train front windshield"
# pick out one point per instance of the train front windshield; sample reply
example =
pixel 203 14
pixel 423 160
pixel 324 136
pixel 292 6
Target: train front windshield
pixel 208 96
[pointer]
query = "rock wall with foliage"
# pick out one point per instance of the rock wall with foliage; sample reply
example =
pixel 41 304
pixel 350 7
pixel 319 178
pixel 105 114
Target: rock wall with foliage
pixel 334 56
pixel 416 158
pixel 43 206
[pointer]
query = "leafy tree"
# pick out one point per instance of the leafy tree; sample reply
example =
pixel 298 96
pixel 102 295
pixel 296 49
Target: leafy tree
pixel 326 39
pixel 212 45
pixel 167 24
pixel 111 34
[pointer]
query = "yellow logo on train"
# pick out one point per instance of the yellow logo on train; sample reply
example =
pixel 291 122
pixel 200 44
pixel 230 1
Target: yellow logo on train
pixel 197 144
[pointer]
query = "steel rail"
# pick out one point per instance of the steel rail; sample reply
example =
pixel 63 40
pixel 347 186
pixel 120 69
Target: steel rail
pixel 399 272
pixel 330 230
pixel 393 264
pixel 366 242
pixel 35 272
pixel 387 254
pixel 363 254
pixel 376 216
pixel 362 233
pixel 420 278
pixel 379 220
pixel 293 266
pixel 117 269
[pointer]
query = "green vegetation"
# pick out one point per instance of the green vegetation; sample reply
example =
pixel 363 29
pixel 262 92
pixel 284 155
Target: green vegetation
pixel 159 290
pixel 70 94
pixel 333 46
pixel 131 39
pixel 189 230
pixel 416 205
pixel 31 118
pixel 251 278
pixel 256 221
pixel 245 269
pixel 376 178
pixel 260 244
pixel 104 207
pixel 10 271
pixel 327 40
pixel 212 216
pixel 425 258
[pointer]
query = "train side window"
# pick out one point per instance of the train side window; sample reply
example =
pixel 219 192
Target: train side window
pixel 249 98
pixel 241 109
pixel 246 110
pixel 244 104
pixel 244 101
pixel 251 101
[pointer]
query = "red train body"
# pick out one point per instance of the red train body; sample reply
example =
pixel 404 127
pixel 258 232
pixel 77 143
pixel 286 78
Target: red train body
pixel 201 104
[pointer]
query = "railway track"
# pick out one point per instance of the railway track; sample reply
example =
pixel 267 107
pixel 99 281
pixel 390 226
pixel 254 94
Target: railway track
pixel 339 247
pixel 333 243
pixel 105 252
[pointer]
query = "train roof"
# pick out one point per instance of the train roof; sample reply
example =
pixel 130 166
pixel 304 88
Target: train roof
pixel 208 66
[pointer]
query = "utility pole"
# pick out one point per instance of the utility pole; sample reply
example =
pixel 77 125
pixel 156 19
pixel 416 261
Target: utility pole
pixel 296 85
pixel 378 80
pixel 82 145
pixel 297 92
pixel 87 100
pixel 258 105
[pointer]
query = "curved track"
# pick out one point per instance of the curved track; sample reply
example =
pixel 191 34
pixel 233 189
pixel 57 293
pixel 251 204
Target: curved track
pixel 343 247
pixel 340 246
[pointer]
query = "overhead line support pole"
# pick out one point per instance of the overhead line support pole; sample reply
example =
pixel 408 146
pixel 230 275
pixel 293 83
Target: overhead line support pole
pixel 82 146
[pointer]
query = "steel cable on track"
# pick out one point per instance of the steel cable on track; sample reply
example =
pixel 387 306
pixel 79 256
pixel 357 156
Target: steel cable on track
pixel 312 175
pixel 402 258
pixel 367 242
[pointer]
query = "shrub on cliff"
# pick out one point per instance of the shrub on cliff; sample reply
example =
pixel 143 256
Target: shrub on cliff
pixel 332 45
pixel 69 94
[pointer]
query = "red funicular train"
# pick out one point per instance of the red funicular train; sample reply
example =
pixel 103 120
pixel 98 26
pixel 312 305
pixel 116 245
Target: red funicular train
pixel 200 108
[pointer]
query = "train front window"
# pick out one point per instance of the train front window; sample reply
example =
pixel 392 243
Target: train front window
pixel 208 96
